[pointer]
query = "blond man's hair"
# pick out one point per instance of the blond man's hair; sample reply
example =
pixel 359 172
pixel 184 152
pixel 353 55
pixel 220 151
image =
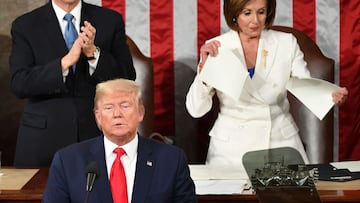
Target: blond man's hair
pixel 118 85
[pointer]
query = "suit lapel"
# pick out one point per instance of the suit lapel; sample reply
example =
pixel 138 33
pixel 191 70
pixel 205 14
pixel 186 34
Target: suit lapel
pixel 87 15
pixel 145 166
pixel 101 191
pixel 264 63
pixel 234 41
pixel 145 163
pixel 52 31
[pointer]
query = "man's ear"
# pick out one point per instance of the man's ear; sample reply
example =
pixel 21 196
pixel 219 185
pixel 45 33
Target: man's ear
pixel 141 113
pixel 98 118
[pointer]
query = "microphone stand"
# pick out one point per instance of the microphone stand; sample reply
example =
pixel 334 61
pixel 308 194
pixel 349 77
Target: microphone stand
pixel 87 196
pixel 90 183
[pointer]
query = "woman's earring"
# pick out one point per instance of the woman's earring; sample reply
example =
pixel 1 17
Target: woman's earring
pixel 234 20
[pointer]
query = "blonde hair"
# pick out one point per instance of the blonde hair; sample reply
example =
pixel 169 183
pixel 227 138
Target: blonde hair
pixel 118 85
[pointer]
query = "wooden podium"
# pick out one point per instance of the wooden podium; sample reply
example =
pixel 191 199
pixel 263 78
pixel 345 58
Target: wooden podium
pixel 32 191
pixel 327 196
pixel 332 192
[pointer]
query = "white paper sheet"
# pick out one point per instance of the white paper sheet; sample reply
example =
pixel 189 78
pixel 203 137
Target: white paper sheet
pixel 219 187
pixel 314 93
pixel 225 72
pixel 218 179
pixel 353 166
pixel 209 172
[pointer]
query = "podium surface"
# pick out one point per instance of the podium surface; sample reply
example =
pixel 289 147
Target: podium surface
pixel 326 196
pixel 32 191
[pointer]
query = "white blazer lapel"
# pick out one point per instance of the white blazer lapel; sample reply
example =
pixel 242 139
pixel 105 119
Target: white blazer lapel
pixel 232 41
pixel 266 54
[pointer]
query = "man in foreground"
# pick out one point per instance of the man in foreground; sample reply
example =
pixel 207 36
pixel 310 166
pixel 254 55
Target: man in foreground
pixel 154 172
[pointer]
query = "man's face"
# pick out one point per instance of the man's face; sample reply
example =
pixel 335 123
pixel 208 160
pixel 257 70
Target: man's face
pixel 66 5
pixel 119 115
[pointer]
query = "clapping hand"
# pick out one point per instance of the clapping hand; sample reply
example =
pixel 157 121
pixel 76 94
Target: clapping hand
pixel 87 36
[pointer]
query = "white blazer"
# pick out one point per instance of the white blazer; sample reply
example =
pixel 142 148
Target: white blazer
pixel 260 119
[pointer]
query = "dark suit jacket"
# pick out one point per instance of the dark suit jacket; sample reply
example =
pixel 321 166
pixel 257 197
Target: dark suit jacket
pixel 56 113
pixel 167 179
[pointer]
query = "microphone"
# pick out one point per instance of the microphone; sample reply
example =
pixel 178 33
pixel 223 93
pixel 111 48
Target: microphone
pixel 92 172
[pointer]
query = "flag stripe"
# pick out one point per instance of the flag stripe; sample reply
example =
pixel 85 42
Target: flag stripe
pixel 138 26
pixel 95 2
pixel 349 114
pixel 284 11
pixel 162 53
pixel 185 39
pixel 327 18
pixel 208 20
pixel 304 17
pixel 118 5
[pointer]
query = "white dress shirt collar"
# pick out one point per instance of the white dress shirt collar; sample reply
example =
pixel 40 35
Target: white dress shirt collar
pixel 129 160
pixel 60 13
pixel 130 148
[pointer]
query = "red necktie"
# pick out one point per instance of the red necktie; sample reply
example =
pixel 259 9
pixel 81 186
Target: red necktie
pixel 118 179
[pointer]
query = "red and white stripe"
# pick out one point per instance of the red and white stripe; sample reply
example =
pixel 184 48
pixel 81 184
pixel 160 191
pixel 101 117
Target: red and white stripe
pixel 171 32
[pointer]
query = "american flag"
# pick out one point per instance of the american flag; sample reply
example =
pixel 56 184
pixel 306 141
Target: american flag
pixel 172 31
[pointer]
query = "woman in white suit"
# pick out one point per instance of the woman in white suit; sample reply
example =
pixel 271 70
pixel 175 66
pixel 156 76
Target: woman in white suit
pixel 260 118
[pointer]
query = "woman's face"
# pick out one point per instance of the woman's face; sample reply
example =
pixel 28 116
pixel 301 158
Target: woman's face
pixel 251 20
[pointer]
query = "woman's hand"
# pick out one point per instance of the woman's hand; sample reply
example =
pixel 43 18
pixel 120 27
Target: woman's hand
pixel 339 96
pixel 210 48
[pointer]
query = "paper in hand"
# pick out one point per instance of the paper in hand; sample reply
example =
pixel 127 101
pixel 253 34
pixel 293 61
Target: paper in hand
pixel 314 93
pixel 225 72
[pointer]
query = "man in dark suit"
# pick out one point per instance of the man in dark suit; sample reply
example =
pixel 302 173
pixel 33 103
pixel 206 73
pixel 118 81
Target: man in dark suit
pixel 58 82
pixel 155 172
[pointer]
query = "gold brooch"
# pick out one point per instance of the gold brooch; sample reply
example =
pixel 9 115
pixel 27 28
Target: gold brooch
pixel 265 53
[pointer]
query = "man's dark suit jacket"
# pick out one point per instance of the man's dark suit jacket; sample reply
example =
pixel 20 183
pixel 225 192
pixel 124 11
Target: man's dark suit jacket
pixel 57 114
pixel 162 174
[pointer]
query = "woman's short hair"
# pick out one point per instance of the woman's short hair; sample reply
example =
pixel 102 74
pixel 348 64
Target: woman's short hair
pixel 233 8
pixel 118 85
